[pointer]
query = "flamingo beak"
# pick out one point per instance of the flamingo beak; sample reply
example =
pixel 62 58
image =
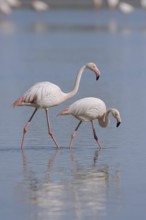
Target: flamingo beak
pixel 97 72
pixel 118 123
pixel 97 77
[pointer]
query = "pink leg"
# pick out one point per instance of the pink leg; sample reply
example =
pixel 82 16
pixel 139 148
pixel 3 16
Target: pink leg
pixel 49 130
pixel 95 136
pixel 74 134
pixel 26 128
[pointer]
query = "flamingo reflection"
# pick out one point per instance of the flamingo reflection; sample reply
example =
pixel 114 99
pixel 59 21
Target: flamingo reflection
pixel 65 185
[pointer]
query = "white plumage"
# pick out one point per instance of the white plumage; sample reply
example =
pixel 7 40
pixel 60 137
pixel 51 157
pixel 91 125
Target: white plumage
pixel 143 3
pixel 5 8
pixel 14 3
pixel 43 95
pixel 125 7
pixel 46 94
pixel 97 3
pixel 112 3
pixel 89 109
pixel 40 5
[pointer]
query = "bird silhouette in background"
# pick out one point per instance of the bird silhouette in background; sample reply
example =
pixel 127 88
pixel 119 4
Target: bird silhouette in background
pixel 89 109
pixel 46 94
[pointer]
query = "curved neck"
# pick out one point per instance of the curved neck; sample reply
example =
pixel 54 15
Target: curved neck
pixel 76 84
pixel 104 120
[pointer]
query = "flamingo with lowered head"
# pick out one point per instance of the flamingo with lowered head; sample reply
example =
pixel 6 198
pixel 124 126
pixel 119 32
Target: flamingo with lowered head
pixel 46 94
pixel 89 109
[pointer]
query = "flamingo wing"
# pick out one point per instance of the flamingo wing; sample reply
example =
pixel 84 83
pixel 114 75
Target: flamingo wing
pixel 41 95
pixel 86 109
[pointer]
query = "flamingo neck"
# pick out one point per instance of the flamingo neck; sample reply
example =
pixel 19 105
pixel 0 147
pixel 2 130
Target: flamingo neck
pixel 76 84
pixel 104 120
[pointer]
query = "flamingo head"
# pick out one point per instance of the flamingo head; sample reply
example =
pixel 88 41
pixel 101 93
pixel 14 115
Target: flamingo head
pixel 116 115
pixel 93 67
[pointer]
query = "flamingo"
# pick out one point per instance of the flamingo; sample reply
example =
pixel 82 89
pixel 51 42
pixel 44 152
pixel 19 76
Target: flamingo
pixel 112 3
pixel 46 94
pixel 7 5
pixel 5 8
pixel 89 109
pixel 38 5
pixel 97 3
pixel 14 3
pixel 143 3
pixel 126 8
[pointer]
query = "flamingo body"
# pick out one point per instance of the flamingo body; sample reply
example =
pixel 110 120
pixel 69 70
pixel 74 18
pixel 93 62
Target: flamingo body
pixel 14 3
pixel 126 8
pixel 5 8
pixel 143 3
pixel 112 3
pixel 86 109
pixel 41 95
pixel 40 5
pixel 89 109
pixel 46 94
pixel 97 3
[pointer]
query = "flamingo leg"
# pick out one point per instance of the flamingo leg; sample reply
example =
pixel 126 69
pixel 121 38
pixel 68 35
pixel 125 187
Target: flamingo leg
pixel 95 136
pixel 49 129
pixel 26 128
pixel 74 134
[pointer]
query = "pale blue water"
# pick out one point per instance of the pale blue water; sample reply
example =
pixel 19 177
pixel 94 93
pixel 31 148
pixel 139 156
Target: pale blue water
pixel 42 183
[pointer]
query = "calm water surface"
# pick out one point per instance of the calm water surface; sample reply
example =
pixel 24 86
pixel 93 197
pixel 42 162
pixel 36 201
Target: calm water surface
pixel 41 182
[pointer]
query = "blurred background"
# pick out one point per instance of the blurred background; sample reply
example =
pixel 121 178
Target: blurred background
pixel 71 3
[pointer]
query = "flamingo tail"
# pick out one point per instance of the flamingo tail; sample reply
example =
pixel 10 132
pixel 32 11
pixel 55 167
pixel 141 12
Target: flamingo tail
pixel 64 112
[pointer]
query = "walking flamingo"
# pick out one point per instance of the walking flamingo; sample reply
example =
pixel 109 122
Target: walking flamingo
pixel 89 109
pixel 46 94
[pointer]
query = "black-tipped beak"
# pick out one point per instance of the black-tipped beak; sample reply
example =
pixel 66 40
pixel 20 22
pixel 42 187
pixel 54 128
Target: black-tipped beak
pixel 118 123
pixel 97 77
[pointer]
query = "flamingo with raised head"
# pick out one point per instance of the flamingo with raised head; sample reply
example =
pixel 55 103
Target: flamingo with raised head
pixel 89 109
pixel 46 94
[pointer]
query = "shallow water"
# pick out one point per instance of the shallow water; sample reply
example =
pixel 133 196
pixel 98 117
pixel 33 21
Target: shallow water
pixel 41 182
